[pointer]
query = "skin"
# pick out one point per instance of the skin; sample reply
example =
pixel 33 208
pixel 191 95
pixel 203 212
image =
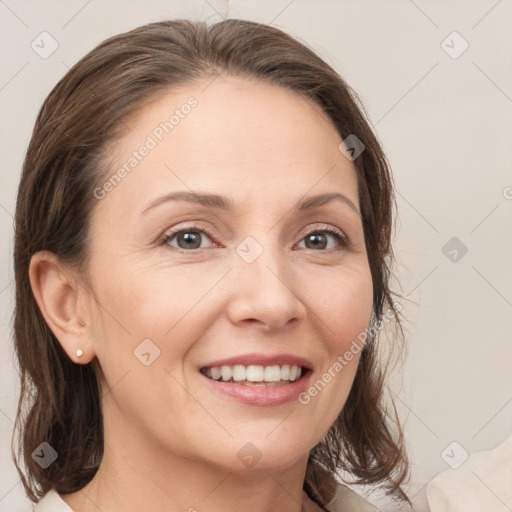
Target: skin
pixel 171 442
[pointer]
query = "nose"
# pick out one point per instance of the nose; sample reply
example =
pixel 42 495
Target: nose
pixel 266 291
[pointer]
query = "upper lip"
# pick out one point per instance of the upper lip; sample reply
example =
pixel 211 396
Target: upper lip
pixel 263 360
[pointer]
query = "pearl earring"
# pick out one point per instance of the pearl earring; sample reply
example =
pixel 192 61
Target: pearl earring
pixel 79 352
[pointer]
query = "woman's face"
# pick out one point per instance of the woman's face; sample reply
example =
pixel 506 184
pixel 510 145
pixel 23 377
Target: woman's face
pixel 250 283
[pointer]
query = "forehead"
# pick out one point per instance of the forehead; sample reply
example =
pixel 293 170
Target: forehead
pixel 230 134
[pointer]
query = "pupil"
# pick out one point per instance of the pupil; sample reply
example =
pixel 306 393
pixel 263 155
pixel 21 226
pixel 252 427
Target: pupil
pixel 317 238
pixel 190 237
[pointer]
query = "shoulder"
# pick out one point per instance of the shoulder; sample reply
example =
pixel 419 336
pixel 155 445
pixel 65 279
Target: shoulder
pixel 52 502
pixel 347 500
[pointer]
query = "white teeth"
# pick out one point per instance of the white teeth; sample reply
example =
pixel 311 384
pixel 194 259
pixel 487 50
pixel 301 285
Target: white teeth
pixel 226 373
pixel 239 373
pixel 254 373
pixel 272 374
pixel 215 373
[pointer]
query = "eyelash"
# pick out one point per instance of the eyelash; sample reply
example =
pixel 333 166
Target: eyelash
pixel 342 239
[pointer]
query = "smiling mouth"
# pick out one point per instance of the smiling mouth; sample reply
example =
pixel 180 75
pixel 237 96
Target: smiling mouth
pixel 255 375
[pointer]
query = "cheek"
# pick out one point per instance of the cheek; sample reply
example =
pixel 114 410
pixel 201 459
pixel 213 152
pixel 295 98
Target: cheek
pixel 163 304
pixel 169 306
pixel 344 303
pixel 343 306
pixel 147 320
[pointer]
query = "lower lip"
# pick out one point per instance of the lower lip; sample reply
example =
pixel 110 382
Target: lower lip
pixel 261 396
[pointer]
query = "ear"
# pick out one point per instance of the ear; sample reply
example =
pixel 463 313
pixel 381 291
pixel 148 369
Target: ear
pixel 56 292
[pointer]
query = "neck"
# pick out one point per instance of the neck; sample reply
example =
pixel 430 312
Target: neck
pixel 135 475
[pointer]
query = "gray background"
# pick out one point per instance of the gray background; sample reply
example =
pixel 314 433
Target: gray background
pixel 445 124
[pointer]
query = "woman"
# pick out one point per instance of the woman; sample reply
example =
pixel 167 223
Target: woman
pixel 241 372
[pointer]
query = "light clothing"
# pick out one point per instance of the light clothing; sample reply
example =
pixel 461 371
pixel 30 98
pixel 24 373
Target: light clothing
pixel 345 500
pixel 482 482
pixel 52 502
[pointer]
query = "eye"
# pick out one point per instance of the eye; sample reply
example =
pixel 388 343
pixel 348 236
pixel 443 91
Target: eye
pixel 316 239
pixel 188 239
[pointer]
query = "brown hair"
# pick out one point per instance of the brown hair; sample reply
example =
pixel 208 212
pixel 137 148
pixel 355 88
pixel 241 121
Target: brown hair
pixel 67 157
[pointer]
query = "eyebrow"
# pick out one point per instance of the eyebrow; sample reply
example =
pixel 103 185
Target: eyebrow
pixel 220 202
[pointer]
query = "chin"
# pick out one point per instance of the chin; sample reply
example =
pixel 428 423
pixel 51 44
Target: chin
pixel 260 455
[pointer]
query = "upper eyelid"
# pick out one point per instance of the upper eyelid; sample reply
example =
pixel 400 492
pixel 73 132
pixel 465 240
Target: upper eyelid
pixel 318 226
pixel 198 226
